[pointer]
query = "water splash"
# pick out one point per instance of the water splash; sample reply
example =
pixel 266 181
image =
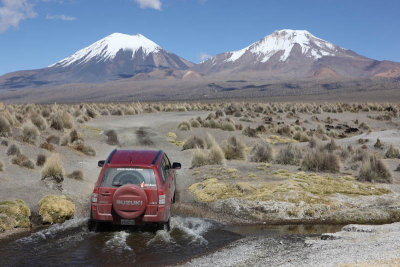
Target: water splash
pixel 118 242
pixel 54 230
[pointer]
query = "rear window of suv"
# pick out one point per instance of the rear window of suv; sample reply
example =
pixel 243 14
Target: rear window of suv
pixel 114 177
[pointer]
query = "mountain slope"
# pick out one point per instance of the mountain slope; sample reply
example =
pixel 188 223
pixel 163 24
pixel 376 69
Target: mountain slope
pixel 292 54
pixel 114 57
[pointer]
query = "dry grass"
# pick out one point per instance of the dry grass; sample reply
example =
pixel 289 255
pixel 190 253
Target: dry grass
pixel 261 152
pixel 234 148
pixel 374 170
pixel 320 160
pixel 53 168
pixel 56 209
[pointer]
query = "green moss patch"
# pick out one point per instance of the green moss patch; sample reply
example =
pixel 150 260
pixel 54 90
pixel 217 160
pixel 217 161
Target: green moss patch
pixel 14 214
pixel 56 209
pixel 299 187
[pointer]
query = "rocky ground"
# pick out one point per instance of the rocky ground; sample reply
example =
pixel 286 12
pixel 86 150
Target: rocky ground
pixel 242 186
pixel 355 245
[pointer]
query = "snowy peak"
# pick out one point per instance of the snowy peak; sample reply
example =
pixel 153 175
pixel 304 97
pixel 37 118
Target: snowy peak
pixel 284 41
pixel 108 47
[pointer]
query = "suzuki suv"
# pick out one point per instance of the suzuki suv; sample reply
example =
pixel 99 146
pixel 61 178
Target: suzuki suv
pixel 135 187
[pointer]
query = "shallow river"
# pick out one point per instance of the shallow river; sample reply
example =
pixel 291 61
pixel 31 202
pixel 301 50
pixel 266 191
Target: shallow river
pixel 71 244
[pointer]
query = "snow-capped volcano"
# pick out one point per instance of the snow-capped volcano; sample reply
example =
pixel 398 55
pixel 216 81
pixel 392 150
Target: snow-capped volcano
pixel 283 41
pixel 114 57
pixel 287 53
pixel 107 49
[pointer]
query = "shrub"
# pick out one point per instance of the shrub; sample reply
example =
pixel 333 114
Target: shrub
pixel 313 143
pixel 194 142
pixel 67 120
pixel 200 158
pixel 56 209
pixel 228 126
pixel 392 153
pixel 39 122
pixel 87 150
pixel 53 139
pixel 4 126
pixel 30 133
pixel 378 144
pixel 143 136
pixel 184 126
pixel 289 155
pixel 234 148
pixel 210 141
pixel 195 123
pixel 13 150
pixel 216 155
pixel 23 161
pixel 331 146
pixel 40 160
pixel 56 122
pixel 374 170
pixel 250 132
pixel 319 160
pixel 261 152
pixel 77 175
pixel 53 168
pixel 47 146
pixel 4 142
pixel 1 166
pixel 361 155
pixel 75 136
pixel 112 137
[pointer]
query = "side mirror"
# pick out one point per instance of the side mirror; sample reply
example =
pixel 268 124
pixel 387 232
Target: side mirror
pixel 176 165
pixel 101 163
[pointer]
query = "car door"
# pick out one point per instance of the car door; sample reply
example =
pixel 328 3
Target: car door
pixel 167 173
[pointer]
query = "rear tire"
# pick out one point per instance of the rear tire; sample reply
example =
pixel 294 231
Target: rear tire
pixel 165 226
pixel 92 225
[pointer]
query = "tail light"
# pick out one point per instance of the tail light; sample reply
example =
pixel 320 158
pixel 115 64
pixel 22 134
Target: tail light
pixel 161 199
pixel 95 195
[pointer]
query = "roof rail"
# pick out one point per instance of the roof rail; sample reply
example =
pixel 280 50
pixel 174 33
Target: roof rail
pixel 110 156
pixel 156 157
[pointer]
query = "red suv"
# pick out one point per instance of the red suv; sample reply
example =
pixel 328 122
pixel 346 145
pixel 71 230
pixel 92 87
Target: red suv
pixel 135 187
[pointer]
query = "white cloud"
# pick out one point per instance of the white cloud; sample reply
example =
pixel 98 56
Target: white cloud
pixel 62 17
pixel 156 4
pixel 12 12
pixel 204 57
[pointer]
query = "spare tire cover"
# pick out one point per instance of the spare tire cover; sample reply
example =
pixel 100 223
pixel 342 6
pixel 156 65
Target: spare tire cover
pixel 129 201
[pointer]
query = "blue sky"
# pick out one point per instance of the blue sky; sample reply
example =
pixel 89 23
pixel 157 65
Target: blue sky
pixel 37 33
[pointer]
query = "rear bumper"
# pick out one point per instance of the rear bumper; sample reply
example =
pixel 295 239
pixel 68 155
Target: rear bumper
pixel 153 214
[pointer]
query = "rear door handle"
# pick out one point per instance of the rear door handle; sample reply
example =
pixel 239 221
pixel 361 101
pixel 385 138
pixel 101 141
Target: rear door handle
pixel 106 194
